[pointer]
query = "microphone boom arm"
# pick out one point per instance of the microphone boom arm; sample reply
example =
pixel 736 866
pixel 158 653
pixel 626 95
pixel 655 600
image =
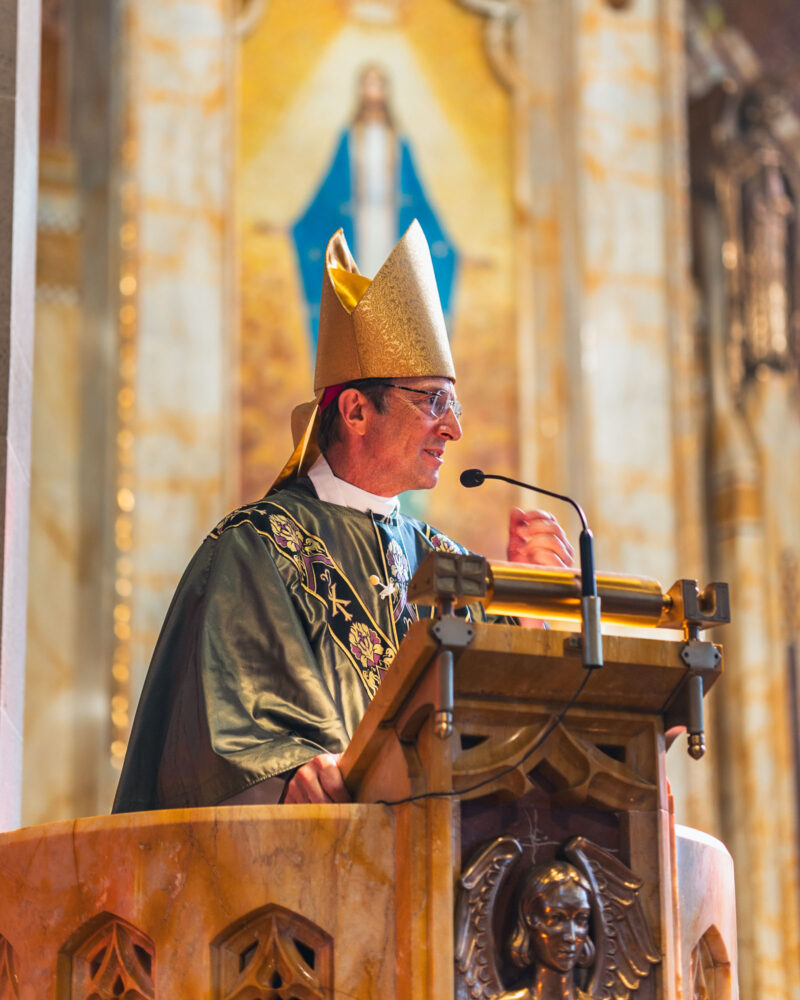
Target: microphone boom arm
pixel 590 602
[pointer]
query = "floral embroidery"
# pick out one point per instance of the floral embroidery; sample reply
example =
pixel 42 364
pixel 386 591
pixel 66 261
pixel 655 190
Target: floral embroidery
pixel 444 544
pixel 397 585
pixel 365 645
pixel 285 533
pixel 369 651
pixel 397 562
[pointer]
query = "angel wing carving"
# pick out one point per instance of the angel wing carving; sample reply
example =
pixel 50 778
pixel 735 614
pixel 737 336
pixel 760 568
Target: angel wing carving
pixel 475 944
pixel 625 947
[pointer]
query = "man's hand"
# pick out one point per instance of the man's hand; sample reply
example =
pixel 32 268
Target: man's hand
pixel 534 536
pixel 320 780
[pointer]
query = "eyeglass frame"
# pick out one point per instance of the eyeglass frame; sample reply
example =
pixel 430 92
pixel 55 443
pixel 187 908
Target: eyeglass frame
pixel 452 403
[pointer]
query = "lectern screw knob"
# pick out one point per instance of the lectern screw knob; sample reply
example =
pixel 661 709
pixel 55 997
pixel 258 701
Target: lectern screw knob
pixel 443 724
pixel 697 745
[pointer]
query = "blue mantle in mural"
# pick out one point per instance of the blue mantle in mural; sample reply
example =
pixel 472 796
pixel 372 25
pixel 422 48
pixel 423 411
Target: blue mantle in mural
pixel 332 207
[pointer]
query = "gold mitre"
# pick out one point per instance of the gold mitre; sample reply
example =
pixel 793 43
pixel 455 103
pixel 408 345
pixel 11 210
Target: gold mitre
pixel 389 327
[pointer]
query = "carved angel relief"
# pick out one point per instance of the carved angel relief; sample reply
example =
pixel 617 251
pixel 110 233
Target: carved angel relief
pixel 582 912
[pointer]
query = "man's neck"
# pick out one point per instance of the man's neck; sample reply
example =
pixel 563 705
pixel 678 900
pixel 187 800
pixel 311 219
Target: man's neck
pixel 361 468
pixel 335 489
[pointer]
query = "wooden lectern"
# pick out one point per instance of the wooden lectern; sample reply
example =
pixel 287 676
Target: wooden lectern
pixel 599 774
pixel 414 891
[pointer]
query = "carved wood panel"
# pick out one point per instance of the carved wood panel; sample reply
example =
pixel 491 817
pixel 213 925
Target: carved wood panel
pixel 589 777
pixel 597 766
pixel 273 954
pixel 580 912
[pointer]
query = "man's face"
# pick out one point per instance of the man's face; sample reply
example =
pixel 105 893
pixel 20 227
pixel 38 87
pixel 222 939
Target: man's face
pixel 407 443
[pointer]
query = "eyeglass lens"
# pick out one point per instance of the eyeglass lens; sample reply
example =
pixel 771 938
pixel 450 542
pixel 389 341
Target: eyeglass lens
pixel 437 401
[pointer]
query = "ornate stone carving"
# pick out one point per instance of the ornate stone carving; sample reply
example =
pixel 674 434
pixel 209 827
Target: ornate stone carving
pixel 498 38
pixel 580 912
pixel 9 982
pixel 109 958
pixel 758 188
pixel 273 954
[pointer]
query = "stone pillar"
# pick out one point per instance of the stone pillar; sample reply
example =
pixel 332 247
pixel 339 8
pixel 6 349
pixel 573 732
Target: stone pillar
pixel 19 112
pixel 608 247
pixel 174 458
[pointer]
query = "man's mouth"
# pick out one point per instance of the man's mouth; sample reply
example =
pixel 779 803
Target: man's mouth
pixel 437 453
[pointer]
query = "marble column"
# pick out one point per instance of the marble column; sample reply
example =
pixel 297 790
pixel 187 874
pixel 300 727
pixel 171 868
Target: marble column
pixel 606 307
pixel 175 458
pixel 19 107
pixel 602 280
pixel 75 365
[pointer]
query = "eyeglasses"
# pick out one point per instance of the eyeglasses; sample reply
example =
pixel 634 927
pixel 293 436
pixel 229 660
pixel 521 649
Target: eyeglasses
pixel 437 403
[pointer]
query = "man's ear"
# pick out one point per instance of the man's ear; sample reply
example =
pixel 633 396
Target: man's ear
pixel 352 405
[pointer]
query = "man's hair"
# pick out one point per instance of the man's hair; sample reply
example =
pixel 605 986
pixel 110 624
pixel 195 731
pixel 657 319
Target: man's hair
pixel 330 420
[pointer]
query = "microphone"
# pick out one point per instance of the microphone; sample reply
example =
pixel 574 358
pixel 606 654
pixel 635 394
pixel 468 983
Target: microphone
pixel 590 602
pixel 472 477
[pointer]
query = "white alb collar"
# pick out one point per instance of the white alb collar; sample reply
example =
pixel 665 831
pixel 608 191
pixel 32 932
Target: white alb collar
pixel 334 490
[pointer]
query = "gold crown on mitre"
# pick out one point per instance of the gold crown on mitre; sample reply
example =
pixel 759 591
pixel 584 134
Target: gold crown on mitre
pixel 389 327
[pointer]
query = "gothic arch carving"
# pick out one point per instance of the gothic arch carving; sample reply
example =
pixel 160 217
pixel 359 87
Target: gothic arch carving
pixel 710 968
pixel 273 954
pixel 579 771
pixel 107 959
pixel 9 981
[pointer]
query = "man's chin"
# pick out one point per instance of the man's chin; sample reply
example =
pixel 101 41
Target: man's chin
pixel 431 480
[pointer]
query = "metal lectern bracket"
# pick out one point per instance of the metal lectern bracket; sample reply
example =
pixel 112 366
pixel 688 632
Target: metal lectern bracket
pixel 445 580
pixel 701 657
pixel 448 579
pixel 453 633
pixel 685 710
pixel 693 610
pixel 690 608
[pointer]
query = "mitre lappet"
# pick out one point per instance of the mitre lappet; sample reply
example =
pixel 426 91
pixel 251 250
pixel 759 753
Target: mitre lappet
pixel 391 326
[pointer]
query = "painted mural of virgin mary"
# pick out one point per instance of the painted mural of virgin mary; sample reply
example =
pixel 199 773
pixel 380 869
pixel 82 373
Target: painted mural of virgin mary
pixel 373 191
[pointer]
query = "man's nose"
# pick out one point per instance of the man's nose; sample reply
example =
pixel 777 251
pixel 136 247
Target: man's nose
pixel 450 426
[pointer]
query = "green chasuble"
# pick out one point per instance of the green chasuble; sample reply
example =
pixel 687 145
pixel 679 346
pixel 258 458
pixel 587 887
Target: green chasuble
pixel 277 638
